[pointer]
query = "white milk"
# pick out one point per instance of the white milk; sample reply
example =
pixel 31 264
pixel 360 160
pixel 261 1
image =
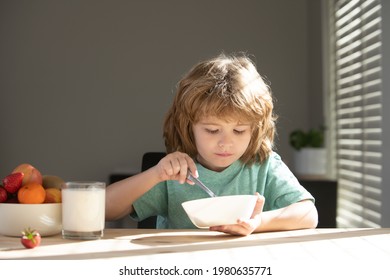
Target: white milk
pixel 83 210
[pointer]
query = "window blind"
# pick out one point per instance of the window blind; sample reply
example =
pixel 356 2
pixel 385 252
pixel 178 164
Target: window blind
pixel 356 62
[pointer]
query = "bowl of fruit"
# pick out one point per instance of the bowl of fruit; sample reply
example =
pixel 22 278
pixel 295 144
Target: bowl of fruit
pixel 30 200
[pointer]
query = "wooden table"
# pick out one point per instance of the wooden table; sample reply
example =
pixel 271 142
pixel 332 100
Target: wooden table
pixel 325 248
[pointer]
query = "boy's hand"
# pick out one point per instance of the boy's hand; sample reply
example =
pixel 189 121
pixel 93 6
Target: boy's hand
pixel 175 166
pixel 245 227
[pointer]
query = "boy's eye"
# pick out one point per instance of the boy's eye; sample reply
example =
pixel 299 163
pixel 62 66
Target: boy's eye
pixel 212 131
pixel 239 131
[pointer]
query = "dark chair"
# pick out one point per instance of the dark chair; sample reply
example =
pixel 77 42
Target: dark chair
pixel 150 159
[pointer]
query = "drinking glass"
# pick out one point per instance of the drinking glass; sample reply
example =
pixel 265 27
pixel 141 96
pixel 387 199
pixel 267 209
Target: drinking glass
pixel 83 210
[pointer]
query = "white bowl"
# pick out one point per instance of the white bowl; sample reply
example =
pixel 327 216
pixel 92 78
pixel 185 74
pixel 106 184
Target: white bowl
pixel 221 210
pixel 46 218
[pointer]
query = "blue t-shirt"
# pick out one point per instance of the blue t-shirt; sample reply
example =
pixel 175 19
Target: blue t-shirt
pixel 272 179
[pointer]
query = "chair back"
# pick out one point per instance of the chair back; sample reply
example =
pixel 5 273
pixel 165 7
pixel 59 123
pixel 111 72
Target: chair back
pixel 150 159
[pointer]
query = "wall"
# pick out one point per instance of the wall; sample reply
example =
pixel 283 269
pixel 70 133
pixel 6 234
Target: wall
pixel 84 85
pixel 315 51
pixel 385 213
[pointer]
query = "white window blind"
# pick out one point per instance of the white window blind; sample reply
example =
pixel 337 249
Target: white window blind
pixel 355 30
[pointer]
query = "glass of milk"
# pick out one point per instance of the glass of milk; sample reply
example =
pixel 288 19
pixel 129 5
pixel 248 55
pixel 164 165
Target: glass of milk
pixel 83 210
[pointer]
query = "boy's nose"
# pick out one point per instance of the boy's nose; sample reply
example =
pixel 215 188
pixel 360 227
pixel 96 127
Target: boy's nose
pixel 225 142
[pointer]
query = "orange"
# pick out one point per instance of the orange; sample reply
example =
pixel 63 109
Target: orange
pixel 32 193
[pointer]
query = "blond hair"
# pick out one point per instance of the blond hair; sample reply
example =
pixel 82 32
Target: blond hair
pixel 229 88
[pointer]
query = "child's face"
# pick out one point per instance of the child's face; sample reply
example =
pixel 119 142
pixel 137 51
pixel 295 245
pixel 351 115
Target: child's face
pixel 220 143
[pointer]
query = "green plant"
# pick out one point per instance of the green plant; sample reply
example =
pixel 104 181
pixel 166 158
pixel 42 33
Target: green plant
pixel 313 138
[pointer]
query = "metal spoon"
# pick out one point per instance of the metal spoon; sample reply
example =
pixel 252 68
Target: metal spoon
pixel 200 184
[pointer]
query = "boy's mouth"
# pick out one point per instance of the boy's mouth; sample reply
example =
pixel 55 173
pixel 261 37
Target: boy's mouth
pixel 224 154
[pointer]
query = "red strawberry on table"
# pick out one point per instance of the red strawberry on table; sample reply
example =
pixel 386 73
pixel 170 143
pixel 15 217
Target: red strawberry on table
pixel 13 182
pixel 30 238
pixel 3 194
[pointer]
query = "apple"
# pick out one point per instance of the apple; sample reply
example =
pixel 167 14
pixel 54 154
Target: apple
pixel 53 195
pixel 31 174
pixel 52 181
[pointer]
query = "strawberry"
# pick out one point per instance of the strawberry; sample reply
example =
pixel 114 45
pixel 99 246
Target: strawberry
pixel 13 182
pixel 30 238
pixel 3 194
